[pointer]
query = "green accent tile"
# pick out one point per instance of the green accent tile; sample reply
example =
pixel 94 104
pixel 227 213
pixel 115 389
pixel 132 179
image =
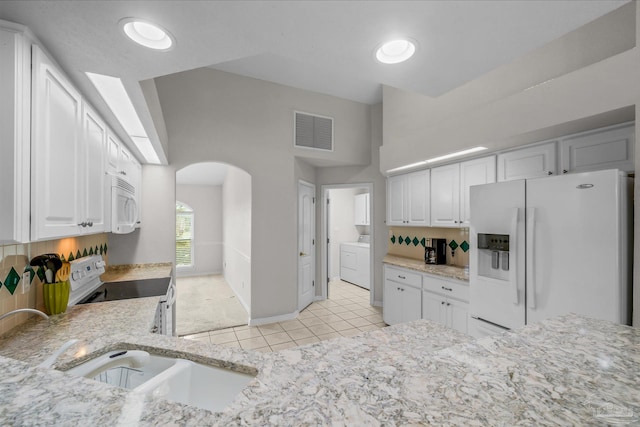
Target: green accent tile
pixel 78 254
pixel 423 242
pixel 465 246
pixel 40 274
pixel 105 248
pixel 85 253
pixel 415 241
pixel 90 251
pixel 12 280
pixel 71 257
pixel 96 250
pixel 400 240
pixel 393 239
pixel 453 245
pixel 101 249
pixel 62 258
pixel 407 240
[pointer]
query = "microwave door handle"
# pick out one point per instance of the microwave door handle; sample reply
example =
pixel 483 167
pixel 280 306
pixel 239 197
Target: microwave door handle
pixel 513 245
pixel 531 277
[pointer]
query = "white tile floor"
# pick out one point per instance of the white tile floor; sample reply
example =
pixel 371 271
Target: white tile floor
pixel 346 313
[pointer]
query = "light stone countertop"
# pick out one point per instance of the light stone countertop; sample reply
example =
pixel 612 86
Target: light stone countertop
pixel 448 271
pixel 121 273
pixel 566 371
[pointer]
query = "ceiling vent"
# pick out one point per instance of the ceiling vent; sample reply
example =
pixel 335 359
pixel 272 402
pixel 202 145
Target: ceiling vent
pixel 315 132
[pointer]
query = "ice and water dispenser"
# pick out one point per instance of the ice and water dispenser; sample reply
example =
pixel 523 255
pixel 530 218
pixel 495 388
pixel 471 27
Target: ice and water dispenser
pixel 493 255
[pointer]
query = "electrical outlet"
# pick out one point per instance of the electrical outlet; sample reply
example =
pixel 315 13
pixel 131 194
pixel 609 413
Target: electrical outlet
pixel 26 282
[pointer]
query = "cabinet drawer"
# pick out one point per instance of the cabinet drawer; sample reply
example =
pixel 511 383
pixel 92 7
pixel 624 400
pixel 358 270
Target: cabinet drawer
pixel 403 276
pixel 447 288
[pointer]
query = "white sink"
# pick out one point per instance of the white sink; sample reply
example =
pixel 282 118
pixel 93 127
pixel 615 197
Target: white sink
pixel 177 380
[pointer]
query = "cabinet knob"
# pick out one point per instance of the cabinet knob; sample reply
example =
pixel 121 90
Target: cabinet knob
pixel 565 171
pixel 448 303
pixel 442 303
pixel 90 223
pixel 549 173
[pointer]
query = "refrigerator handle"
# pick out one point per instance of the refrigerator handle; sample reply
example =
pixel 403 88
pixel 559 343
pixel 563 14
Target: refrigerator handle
pixel 531 278
pixel 513 261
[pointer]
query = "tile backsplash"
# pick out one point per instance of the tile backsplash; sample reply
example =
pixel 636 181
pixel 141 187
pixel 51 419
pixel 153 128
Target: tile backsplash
pixel 14 259
pixel 414 239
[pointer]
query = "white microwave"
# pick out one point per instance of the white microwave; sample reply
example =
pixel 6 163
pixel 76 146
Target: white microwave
pixel 124 206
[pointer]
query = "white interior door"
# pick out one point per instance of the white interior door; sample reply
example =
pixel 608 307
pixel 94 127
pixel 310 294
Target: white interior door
pixel 306 244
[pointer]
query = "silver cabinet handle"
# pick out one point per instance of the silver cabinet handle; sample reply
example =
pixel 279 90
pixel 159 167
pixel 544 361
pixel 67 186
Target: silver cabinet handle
pixel 401 277
pixel 447 289
pixel 565 171
pixel 549 173
pixel 82 224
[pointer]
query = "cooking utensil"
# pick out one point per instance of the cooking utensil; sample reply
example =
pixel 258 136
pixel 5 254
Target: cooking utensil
pixel 48 276
pixel 63 273
pixel 47 262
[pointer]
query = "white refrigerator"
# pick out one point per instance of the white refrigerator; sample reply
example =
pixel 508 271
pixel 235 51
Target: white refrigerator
pixel 550 246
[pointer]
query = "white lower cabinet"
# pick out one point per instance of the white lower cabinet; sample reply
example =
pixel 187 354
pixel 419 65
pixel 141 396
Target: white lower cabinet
pixel 409 295
pixel 402 302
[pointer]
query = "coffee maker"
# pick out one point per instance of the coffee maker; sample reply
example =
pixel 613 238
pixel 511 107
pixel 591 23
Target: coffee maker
pixel 436 252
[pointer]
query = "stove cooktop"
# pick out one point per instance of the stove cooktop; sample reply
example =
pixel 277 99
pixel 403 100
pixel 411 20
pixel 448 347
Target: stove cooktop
pixel 114 291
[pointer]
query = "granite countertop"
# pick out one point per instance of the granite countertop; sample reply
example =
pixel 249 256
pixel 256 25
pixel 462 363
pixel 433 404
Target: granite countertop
pixel 121 273
pixel 448 271
pixel 565 371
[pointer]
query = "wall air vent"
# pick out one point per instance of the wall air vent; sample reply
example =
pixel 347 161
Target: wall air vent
pixel 315 132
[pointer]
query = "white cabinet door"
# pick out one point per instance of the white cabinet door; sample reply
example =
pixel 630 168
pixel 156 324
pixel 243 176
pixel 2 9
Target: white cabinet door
pixel 474 172
pixel 611 148
pixel 15 146
pixel 445 196
pixel 361 209
pixel 395 200
pixel 458 315
pixel 411 303
pixel 432 307
pixel 93 163
pixel 392 310
pixel 417 198
pixel 56 152
pixel 113 153
pixel 348 263
pixel 364 267
pixel 530 162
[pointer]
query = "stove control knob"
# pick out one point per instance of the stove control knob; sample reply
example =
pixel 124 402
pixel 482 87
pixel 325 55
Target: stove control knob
pixel 75 275
pixel 100 264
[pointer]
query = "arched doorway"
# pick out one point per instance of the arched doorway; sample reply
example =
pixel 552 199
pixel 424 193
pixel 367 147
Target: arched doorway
pixel 213 247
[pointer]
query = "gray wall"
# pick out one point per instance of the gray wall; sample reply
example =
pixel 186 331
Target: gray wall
pixel 206 202
pixel 155 241
pixel 236 220
pixel 216 116
pixel 358 175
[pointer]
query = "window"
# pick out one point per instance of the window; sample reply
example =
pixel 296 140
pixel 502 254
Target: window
pixel 184 235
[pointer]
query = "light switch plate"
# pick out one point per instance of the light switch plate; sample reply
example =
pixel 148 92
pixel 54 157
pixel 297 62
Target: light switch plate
pixel 26 282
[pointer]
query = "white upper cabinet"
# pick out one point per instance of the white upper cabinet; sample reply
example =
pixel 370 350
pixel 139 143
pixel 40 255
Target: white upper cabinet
pixel 530 162
pixel 113 153
pixel 609 148
pixel 408 199
pixel 445 196
pixel 93 186
pixel 474 172
pixel 361 209
pixel 15 146
pixel 56 152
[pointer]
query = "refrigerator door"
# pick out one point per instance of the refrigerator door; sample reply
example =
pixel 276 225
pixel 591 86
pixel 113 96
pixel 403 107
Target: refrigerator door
pixel 497 290
pixel 574 259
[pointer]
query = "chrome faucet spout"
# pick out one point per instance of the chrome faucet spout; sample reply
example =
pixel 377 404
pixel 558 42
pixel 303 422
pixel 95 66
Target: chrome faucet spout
pixel 24 310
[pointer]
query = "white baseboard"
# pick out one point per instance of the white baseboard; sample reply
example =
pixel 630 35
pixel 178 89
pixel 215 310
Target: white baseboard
pixel 273 319
pixel 193 273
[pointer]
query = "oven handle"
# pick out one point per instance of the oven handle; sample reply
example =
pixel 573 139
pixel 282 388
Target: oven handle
pixel 171 294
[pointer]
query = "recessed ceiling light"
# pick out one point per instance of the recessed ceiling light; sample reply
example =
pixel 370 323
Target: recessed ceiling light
pixel 395 51
pixel 147 34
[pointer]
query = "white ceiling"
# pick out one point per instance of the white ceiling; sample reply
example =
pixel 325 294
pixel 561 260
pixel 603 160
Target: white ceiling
pixel 322 46
pixel 202 174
